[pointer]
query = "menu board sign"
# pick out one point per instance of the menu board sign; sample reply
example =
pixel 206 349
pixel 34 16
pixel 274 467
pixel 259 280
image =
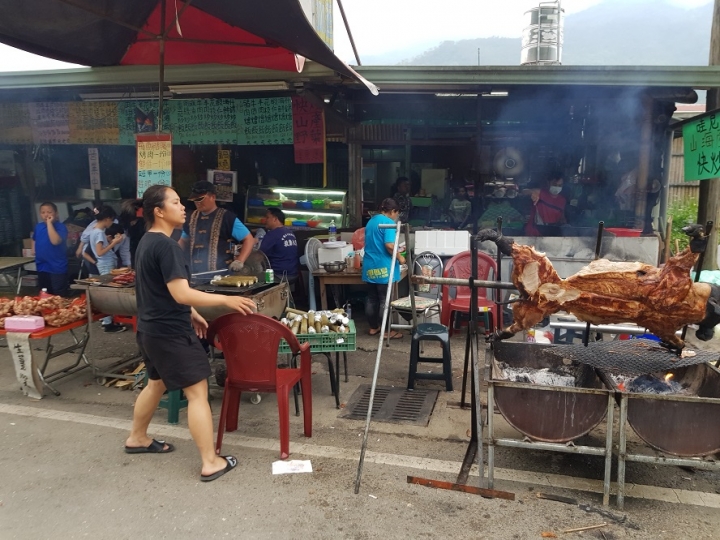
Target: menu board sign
pixel 154 160
pixel 308 131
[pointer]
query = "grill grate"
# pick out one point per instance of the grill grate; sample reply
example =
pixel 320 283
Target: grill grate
pixel 628 357
pixel 392 405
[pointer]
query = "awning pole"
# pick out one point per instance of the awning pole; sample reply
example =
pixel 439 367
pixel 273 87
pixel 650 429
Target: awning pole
pixel 347 27
pixel 161 63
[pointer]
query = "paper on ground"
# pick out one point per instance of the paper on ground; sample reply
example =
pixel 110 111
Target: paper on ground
pixel 292 466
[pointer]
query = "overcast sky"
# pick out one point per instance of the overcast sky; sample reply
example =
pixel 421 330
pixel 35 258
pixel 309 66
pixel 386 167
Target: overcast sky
pixel 381 27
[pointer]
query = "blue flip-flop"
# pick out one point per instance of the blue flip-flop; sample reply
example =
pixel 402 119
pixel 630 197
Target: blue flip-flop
pixel 231 464
pixel 155 447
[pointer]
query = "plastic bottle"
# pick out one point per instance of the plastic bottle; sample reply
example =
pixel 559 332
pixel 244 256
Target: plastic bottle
pixel 332 231
pixel 44 294
pixel 348 309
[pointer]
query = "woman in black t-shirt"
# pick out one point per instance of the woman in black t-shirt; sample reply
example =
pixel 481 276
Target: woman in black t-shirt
pixel 168 332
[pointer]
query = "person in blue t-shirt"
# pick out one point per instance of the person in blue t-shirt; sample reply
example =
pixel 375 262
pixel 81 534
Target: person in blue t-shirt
pixel 280 245
pixel 379 245
pixel 50 252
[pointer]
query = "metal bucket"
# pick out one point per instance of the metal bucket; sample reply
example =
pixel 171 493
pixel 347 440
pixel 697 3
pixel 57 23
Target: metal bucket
pixel 547 413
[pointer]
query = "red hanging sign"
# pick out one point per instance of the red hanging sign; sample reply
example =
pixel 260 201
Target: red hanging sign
pixel 308 131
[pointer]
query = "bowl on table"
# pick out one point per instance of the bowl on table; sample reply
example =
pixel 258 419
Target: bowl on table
pixel 334 267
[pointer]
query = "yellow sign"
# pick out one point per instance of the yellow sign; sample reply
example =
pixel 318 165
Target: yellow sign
pixel 223 160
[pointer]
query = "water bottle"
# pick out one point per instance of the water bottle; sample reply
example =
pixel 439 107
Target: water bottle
pixel 332 231
pixel 348 309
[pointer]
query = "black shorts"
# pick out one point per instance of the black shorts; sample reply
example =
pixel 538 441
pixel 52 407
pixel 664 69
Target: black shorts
pixel 178 360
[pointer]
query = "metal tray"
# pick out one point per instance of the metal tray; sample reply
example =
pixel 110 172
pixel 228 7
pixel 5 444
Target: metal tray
pixel 224 289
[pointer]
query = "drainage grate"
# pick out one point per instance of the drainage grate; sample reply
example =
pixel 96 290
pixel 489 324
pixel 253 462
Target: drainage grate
pixel 392 405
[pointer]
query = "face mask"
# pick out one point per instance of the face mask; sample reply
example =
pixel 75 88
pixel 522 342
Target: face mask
pixel 555 190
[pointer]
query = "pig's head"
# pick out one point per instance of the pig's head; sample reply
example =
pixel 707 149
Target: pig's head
pixel 706 327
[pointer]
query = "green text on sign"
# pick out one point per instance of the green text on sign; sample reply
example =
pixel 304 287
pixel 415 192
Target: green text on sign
pixel 701 148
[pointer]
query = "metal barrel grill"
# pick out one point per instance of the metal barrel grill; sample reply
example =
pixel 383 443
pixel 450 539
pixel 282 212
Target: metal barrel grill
pixel 549 416
pixel 270 298
pixel 684 427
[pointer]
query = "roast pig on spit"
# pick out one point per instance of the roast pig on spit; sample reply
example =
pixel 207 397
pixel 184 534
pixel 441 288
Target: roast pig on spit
pixel 663 299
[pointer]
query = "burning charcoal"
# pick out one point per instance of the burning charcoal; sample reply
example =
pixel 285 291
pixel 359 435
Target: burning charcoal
pixel 649 384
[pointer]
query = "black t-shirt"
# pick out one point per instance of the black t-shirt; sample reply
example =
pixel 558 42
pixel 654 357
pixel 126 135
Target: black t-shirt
pixel 159 260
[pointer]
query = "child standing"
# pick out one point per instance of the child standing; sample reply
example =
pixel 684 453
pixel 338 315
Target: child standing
pixel 50 252
pixel 103 238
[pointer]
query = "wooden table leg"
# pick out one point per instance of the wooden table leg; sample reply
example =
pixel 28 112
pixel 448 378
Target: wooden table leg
pixel 323 294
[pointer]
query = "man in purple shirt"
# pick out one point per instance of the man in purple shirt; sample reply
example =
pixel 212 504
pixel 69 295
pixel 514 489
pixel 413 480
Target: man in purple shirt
pixel 280 245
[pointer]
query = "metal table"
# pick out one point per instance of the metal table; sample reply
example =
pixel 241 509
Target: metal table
pixel 30 376
pixel 9 264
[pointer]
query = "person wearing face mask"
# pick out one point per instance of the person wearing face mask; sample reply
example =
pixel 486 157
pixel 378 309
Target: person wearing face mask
pixel 548 208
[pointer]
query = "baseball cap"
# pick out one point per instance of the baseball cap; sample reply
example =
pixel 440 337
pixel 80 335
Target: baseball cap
pixel 201 188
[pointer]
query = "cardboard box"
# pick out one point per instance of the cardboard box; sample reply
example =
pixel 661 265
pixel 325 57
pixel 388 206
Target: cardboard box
pixel 27 243
pixel 28 252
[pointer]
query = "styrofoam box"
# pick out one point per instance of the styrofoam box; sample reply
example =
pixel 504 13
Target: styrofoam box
pixel 333 254
pixel 24 323
pixel 443 243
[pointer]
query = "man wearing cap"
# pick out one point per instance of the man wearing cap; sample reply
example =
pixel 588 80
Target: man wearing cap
pixel 211 230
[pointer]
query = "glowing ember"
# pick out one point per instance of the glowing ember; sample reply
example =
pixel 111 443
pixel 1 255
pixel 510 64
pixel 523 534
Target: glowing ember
pixel 668 377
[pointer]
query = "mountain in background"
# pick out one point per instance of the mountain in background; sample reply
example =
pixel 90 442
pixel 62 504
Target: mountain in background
pixel 616 32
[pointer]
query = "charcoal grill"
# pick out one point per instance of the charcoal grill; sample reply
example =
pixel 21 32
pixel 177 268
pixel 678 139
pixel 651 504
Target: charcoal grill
pixel 549 416
pixel 683 428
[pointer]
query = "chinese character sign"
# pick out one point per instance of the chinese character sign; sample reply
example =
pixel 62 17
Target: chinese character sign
pixel 223 160
pixel 308 131
pixel 94 163
pixel 49 123
pixel 701 141
pixel 154 161
pixel 93 122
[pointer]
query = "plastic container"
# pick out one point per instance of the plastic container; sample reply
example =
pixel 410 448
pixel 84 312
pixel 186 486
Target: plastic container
pixel 272 202
pixel 330 342
pixel 624 232
pixel 299 223
pixel 318 204
pixel 255 202
pixel 304 205
pixel 289 204
pixel 313 222
pixel 24 323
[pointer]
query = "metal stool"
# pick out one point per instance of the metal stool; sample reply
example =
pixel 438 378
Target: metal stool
pixel 430 332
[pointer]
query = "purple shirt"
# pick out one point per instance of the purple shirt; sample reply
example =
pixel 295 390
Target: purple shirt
pixel 280 246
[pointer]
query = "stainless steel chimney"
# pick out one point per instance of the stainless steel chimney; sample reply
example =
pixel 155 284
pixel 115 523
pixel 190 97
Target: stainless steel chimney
pixel 542 38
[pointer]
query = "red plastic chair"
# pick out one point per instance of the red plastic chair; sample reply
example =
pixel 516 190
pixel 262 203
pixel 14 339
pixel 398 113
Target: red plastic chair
pixel 460 266
pixel 250 344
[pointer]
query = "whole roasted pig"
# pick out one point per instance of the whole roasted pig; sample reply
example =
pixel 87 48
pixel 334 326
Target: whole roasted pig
pixel 662 300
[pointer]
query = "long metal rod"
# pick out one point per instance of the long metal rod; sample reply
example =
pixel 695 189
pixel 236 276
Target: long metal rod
pixel 368 418
pixel 472 330
pixel 347 28
pixel 161 64
pixel 467 282
pixel 698 268
pixel 598 244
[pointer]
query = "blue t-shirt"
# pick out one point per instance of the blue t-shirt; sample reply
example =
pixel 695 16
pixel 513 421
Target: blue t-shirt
pixel 99 236
pixel 48 257
pixel 280 246
pixel 376 262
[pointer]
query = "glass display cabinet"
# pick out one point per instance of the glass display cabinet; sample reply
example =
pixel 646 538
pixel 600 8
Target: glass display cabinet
pixel 303 207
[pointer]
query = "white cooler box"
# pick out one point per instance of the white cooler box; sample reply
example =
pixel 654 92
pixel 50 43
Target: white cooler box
pixel 334 254
pixel 442 243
